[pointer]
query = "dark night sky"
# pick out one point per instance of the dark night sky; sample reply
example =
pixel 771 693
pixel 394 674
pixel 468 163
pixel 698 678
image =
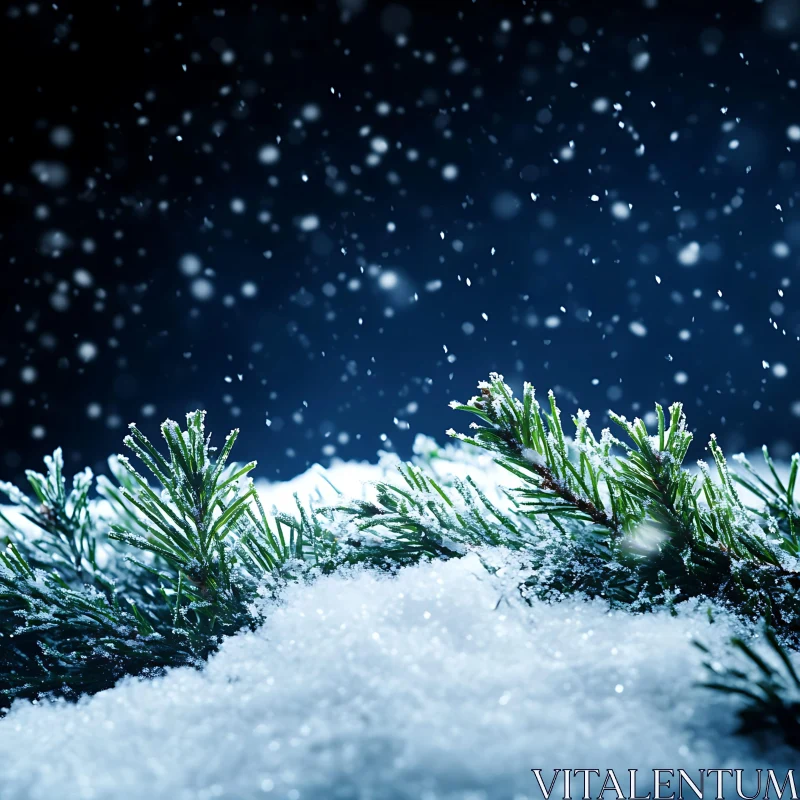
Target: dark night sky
pixel 153 250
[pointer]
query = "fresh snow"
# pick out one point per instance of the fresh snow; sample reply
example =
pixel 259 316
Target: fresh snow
pixel 434 684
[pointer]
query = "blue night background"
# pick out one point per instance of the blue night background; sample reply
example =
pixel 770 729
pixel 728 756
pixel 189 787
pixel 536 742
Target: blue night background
pixel 322 222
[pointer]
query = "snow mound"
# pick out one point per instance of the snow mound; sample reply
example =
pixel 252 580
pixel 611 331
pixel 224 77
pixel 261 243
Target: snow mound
pixel 321 485
pixel 435 684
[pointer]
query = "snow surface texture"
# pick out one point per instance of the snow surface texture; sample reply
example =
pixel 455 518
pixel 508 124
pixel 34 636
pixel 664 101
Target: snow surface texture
pixel 435 684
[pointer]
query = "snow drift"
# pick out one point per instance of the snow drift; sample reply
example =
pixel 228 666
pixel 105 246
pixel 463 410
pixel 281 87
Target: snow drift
pixel 436 683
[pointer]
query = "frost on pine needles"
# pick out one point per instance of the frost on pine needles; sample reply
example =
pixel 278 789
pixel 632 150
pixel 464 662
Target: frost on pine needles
pixel 85 600
pixel 181 555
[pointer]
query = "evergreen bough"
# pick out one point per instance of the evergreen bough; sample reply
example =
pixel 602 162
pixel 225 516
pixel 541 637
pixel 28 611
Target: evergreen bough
pixel 155 579
pixel 165 566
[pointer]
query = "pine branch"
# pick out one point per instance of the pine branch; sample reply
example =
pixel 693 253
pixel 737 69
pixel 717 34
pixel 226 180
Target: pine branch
pixel 186 525
pixel 62 519
pixel 657 528
pixel 768 686
pixel 197 552
pixel 425 517
pixel 780 510
pixel 530 443
pixel 422 518
pixel 57 639
pixel 652 471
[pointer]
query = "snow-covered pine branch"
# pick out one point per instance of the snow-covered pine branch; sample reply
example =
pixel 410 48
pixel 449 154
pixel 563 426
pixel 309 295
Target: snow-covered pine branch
pixel 177 560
